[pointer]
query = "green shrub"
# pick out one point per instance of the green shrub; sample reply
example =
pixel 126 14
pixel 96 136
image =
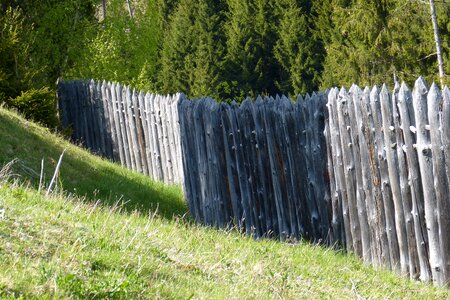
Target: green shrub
pixel 38 105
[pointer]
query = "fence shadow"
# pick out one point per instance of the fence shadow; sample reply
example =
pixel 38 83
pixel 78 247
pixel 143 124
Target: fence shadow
pixel 82 175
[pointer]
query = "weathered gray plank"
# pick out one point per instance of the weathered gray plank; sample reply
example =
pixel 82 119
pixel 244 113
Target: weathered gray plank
pixel 393 173
pixel 386 208
pixel 354 96
pixel 413 257
pixel 349 167
pixel 122 110
pixel 445 131
pixel 442 211
pixel 426 172
pixel 339 165
pixel 407 122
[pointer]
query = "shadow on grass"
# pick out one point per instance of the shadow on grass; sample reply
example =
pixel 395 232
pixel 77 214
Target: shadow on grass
pixel 81 173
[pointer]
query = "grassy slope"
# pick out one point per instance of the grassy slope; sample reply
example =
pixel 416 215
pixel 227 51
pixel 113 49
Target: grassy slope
pixel 61 246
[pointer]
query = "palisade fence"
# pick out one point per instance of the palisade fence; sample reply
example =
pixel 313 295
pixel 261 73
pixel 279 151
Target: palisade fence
pixel 364 169
pixel 138 130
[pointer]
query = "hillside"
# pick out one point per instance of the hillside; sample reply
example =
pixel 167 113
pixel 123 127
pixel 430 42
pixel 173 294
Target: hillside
pixel 77 243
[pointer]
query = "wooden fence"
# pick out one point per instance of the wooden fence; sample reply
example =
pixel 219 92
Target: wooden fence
pixel 389 166
pixel 260 165
pixel 138 130
pixel 365 169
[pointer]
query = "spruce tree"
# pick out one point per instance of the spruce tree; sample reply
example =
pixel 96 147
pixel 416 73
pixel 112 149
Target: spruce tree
pixel 297 50
pixel 250 39
pixel 192 49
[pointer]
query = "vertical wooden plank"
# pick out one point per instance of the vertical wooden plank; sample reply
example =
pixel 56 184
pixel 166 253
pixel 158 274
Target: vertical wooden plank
pixel 354 96
pixel 251 155
pixel 170 136
pixel 363 131
pixel 276 166
pixel 380 245
pixel 284 111
pixel 86 114
pixel 147 132
pixel 426 172
pixel 122 110
pixel 407 123
pixel 156 162
pixel 168 177
pixel 233 188
pixel 109 121
pixel 336 226
pixel 445 131
pixel 349 166
pixel 304 204
pixel 94 118
pixel 386 208
pixel 293 161
pixel 339 165
pixel 318 166
pixel 115 99
pixel 442 211
pixel 264 190
pixel 405 189
pixel 160 137
pixel 100 118
pixel 177 138
pixel 190 161
pixel 139 117
pixel 393 173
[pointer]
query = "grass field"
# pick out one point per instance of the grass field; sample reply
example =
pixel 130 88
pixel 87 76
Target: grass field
pixel 99 237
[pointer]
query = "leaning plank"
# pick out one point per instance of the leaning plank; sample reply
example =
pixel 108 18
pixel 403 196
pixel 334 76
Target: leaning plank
pixel 407 123
pixel 393 173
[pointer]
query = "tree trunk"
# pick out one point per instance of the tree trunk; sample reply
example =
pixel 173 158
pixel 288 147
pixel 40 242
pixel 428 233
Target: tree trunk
pixel 438 42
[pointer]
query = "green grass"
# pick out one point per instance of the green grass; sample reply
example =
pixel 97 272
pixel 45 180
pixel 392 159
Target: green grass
pixel 63 246
pixel 81 173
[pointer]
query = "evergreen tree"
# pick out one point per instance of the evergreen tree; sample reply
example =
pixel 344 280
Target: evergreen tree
pixel 297 50
pixel 250 40
pixel 192 49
